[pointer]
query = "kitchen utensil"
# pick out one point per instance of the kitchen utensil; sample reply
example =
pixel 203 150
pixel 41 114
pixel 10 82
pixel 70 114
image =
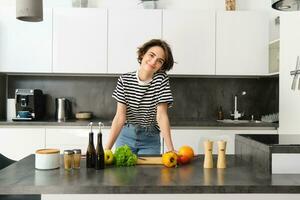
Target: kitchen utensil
pixel 83 115
pixel 221 163
pixel 63 109
pixel 149 160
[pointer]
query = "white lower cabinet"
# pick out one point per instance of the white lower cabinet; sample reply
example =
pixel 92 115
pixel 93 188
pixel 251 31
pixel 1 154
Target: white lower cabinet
pixel 195 138
pixel 17 143
pixel 72 138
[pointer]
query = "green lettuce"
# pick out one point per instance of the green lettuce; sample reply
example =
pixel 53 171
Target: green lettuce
pixel 124 157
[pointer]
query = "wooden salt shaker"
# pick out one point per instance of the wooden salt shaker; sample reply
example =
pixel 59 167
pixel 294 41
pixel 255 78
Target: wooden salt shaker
pixel 221 154
pixel 208 159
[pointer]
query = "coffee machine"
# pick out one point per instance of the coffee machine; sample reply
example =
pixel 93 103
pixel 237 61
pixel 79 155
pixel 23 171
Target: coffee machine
pixel 30 104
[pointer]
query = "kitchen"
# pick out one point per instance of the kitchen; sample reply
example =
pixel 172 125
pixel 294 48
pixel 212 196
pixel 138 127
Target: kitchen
pixel 218 77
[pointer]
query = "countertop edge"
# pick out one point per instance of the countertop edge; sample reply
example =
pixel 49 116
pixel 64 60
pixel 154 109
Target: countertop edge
pixel 178 189
pixel 205 125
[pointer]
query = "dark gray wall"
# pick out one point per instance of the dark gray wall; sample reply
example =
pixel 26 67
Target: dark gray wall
pixel 2 96
pixel 194 98
pixel 199 98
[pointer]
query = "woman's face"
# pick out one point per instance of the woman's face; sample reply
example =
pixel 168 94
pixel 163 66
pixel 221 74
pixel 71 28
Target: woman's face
pixel 153 59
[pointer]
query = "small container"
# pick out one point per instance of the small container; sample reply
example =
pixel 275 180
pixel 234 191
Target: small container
pixel 47 159
pixel 80 3
pixel 149 4
pixel 208 158
pixel 230 5
pixel 77 158
pixel 68 159
pixel 221 163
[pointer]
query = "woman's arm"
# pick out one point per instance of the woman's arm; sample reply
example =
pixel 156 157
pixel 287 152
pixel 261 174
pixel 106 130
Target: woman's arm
pixel 164 124
pixel 117 124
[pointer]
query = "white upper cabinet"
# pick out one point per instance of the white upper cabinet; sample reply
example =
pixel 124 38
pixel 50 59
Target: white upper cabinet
pixel 79 40
pixel 242 43
pixel 127 30
pixel 191 35
pixel 25 46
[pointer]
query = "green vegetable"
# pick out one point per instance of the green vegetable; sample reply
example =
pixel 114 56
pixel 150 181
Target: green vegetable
pixel 124 157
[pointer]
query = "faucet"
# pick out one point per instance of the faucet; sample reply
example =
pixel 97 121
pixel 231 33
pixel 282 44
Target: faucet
pixel 236 115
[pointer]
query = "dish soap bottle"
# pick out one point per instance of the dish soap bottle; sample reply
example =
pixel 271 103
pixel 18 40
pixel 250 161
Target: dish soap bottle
pixel 99 150
pixel 220 113
pixel 90 153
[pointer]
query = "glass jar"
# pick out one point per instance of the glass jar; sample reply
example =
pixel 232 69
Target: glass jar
pixel 68 159
pixel 77 158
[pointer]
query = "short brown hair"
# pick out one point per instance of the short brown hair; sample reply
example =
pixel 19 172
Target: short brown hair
pixel 169 61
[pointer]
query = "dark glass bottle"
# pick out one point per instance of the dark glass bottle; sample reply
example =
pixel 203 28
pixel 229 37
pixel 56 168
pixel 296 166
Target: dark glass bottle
pixel 90 153
pixel 99 151
pixel 220 113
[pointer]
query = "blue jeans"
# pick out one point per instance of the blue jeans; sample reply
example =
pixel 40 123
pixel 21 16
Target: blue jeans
pixel 141 140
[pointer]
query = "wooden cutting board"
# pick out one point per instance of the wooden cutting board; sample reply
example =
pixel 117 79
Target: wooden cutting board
pixel 149 161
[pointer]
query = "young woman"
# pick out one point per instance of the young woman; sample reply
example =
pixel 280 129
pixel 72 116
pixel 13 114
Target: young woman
pixel 143 98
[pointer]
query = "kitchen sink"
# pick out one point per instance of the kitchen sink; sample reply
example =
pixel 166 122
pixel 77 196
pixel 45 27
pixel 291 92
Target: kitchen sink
pixel 239 121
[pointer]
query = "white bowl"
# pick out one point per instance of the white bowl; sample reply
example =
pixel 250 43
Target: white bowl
pixel 47 159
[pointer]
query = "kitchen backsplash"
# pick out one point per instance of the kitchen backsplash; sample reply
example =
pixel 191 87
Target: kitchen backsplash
pixel 195 98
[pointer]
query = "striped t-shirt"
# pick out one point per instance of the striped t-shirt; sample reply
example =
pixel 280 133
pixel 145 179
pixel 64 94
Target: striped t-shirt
pixel 142 99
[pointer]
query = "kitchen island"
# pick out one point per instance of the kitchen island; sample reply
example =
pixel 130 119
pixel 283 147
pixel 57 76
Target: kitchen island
pixel 238 178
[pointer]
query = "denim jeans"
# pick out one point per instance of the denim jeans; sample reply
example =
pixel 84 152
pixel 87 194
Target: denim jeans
pixel 141 140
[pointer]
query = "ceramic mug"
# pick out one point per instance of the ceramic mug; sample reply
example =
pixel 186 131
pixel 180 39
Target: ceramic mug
pixel 24 114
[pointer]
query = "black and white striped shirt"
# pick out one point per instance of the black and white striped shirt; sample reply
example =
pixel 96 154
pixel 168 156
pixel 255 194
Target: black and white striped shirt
pixel 142 98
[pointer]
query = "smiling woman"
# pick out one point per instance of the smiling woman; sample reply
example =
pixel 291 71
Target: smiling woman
pixel 143 97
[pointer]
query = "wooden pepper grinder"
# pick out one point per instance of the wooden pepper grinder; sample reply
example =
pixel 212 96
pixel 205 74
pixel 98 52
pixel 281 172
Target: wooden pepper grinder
pixel 208 159
pixel 221 154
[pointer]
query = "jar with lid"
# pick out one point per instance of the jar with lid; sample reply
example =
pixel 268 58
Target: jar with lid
pixel 68 159
pixel 77 158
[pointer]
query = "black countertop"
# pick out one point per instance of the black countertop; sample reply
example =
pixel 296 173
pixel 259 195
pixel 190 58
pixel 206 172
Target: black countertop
pixel 238 177
pixel 174 124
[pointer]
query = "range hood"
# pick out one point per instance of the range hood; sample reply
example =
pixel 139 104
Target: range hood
pixel 286 5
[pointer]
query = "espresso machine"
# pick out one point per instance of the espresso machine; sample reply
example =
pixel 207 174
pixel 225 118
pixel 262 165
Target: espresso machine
pixel 30 104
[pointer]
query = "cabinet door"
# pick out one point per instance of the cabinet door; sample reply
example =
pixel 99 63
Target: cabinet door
pixel 191 35
pixel 17 143
pixel 25 46
pixel 79 40
pixel 72 138
pixel 242 43
pixel 127 30
pixel 196 138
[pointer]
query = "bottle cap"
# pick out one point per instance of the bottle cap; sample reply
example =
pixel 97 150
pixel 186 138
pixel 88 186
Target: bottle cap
pixel 68 152
pixel 77 151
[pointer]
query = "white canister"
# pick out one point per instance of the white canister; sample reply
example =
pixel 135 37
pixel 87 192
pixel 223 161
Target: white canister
pixel 47 159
